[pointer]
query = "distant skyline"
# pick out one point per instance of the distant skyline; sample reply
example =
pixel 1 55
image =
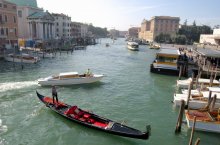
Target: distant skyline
pixel 123 14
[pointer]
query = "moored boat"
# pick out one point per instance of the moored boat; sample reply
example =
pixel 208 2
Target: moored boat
pixel 154 46
pixel 205 120
pixel 133 46
pixel 24 58
pixel 166 62
pixel 70 78
pixel 92 120
pixel 201 81
pixel 198 99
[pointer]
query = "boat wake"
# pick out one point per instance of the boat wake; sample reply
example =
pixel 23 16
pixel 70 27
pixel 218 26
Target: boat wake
pixel 16 85
pixel 3 128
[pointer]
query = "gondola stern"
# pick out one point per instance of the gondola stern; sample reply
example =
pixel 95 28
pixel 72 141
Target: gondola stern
pixel 148 131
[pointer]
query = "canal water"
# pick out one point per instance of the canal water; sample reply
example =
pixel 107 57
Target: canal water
pixel 129 93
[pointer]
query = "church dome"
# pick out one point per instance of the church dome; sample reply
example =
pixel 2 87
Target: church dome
pixel 31 3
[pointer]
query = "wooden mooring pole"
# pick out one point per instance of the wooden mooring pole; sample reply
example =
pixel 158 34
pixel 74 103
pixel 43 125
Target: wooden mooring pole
pixel 180 72
pixel 180 117
pixel 197 141
pixel 192 132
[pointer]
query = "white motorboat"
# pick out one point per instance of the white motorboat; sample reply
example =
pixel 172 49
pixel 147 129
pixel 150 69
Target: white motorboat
pixel 24 58
pixel 198 99
pixel 201 81
pixel 133 46
pixel 69 78
pixel 205 120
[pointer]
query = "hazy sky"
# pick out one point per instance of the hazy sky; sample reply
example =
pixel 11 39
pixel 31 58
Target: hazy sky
pixel 122 14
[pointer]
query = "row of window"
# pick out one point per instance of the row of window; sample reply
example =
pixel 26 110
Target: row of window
pixel 6 31
pixel 64 30
pixel 5 18
pixel 64 24
pixel 167 21
pixel 6 6
pixel 64 18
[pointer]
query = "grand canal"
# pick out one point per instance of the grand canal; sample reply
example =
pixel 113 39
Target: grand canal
pixel 129 93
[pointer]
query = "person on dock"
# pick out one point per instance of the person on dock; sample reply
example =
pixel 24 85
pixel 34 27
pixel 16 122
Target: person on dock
pixel 54 94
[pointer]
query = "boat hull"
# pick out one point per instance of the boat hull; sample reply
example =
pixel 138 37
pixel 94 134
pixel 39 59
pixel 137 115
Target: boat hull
pixel 73 81
pixel 18 60
pixel 165 71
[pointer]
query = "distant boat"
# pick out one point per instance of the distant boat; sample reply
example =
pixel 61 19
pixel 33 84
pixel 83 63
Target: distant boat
pixel 154 46
pixel 24 58
pixel 133 46
pixel 43 54
pixel 69 78
pixel 107 44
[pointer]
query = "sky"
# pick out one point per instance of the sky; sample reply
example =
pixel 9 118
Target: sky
pixel 123 14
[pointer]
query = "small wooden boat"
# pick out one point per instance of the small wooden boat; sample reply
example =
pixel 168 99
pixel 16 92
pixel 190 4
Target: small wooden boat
pixel 91 120
pixel 205 120
pixel 69 78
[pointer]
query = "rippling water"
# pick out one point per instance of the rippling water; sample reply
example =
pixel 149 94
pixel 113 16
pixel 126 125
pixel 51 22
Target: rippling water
pixel 128 93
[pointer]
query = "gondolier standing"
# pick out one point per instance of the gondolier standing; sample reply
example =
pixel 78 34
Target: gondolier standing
pixel 54 93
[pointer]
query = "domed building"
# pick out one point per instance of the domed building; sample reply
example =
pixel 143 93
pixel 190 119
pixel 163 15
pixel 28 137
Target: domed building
pixel 31 3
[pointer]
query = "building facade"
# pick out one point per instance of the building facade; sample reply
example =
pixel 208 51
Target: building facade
pixel 75 31
pixel 157 25
pixel 62 26
pixel 23 24
pixel 84 30
pixel 41 26
pixel 8 25
pixel 133 32
pixel 211 39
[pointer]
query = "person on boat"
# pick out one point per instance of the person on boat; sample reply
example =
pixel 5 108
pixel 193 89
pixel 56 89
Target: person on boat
pixel 54 94
pixel 88 73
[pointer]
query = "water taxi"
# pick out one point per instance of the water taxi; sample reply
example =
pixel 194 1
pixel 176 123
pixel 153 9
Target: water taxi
pixel 133 46
pixel 166 62
pixel 69 78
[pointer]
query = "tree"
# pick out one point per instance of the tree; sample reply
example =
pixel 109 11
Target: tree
pixel 194 23
pixel 185 23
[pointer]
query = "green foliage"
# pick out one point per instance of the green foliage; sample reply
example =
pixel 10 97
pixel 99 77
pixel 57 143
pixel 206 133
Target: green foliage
pixel 161 38
pixel 193 32
pixel 97 31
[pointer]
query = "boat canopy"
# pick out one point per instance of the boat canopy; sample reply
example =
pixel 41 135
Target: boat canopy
pixel 68 74
pixel 169 53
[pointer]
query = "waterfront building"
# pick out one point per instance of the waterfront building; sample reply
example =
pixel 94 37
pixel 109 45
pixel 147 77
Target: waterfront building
pixel 84 30
pixel 75 31
pixel 62 26
pixel 133 32
pixel 41 26
pixel 114 33
pixel 8 25
pixel 157 25
pixel 24 29
pixel 211 38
